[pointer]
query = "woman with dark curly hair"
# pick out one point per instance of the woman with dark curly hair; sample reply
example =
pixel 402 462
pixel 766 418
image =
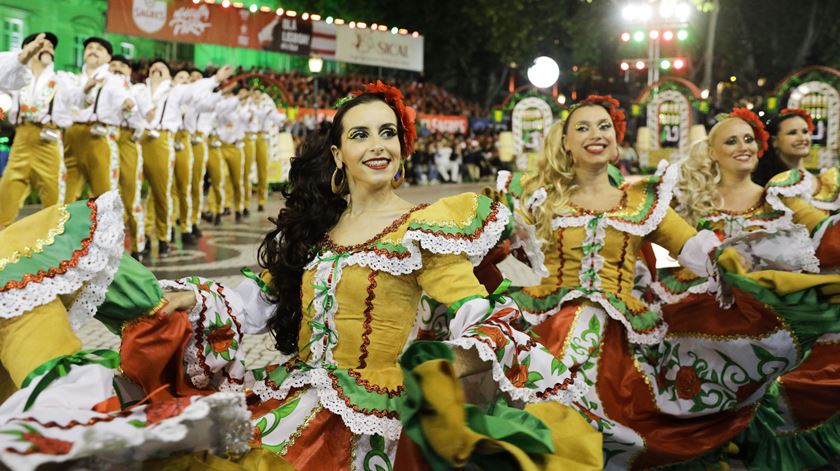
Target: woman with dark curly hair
pixel 365 374
pixel 783 170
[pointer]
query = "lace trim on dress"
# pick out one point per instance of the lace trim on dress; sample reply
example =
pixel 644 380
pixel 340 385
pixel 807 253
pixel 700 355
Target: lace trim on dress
pixel 92 273
pixel 415 239
pixel 319 379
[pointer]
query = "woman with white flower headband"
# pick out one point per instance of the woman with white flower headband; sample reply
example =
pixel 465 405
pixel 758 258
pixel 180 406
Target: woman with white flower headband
pixel 367 383
pixel 660 394
pixel 795 426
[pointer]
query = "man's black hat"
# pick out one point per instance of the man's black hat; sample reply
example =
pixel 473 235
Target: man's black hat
pixel 104 42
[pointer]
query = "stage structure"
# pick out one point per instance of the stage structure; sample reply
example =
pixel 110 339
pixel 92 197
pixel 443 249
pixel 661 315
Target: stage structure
pixel 670 107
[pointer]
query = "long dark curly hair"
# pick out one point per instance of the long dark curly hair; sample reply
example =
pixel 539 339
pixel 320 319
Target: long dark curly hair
pixel 311 210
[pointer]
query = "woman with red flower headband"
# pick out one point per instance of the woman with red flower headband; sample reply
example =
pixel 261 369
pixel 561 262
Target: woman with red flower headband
pixel 367 383
pixel 780 231
pixel 656 377
pixel 784 166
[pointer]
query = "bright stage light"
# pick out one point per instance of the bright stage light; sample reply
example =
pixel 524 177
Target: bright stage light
pixel 679 64
pixel 625 66
pixel 544 72
pixel 640 65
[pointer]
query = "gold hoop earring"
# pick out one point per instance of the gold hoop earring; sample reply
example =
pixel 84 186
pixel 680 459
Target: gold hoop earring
pixel 338 188
pixel 399 178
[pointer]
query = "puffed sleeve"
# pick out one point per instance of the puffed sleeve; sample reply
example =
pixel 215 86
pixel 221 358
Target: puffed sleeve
pixel 13 74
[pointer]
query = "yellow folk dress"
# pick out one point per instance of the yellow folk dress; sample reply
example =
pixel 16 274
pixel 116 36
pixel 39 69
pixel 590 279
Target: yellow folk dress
pixel 792 428
pixel 655 379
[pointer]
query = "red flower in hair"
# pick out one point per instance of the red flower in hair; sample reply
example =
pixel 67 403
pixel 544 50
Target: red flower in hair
pixel 613 108
pixel 802 114
pixel 761 135
pixel 394 99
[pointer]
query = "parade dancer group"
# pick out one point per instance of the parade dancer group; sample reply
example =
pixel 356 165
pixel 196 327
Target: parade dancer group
pixel 381 308
pixel 88 133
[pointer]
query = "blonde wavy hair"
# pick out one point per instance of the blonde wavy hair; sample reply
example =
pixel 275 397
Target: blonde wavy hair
pixel 699 179
pixel 556 173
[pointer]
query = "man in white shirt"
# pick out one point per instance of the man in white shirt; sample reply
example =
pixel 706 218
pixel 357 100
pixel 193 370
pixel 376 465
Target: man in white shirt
pixel 132 128
pixel 252 128
pixel 199 121
pixel 40 112
pixel 90 145
pixel 159 151
pixel 270 120
pixel 231 118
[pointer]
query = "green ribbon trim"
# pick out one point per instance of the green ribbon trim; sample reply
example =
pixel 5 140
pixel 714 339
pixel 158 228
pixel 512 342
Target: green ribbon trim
pixel 789 178
pixel 497 296
pixel 484 207
pixel 248 273
pixel 60 366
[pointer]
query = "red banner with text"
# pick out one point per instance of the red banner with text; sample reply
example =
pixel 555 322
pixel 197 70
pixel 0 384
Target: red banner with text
pixel 185 21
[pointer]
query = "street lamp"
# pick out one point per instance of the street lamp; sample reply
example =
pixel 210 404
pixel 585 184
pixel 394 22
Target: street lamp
pixel 315 66
pixel 544 72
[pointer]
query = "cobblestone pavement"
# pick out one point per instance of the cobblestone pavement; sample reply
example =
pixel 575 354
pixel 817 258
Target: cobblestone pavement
pixel 223 250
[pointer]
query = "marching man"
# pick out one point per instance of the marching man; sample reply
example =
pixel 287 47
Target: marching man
pixel 40 112
pixel 90 145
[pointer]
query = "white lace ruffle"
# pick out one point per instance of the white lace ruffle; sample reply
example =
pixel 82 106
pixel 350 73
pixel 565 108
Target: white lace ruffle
pixel 92 274
pixel 531 244
pixel 537 199
pixel 503 178
pixel 803 189
pixel 414 240
pixel 319 380
pixel 695 253
pixel 635 337
pixel 567 396
pixel 664 195
pixel 667 297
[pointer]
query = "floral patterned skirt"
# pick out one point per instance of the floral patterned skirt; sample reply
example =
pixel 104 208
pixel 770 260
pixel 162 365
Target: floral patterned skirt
pixel 702 381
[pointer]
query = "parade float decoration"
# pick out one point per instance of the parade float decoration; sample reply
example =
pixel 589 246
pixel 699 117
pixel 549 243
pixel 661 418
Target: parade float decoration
pixel 531 118
pixel 814 89
pixel 669 107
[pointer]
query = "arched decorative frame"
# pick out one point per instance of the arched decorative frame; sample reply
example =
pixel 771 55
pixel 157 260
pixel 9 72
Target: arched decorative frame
pixel 684 111
pixel 516 123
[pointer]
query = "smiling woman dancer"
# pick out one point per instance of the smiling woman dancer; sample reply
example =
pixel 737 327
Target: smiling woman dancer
pixel 795 426
pixel 346 267
pixel 653 384
pixel 783 166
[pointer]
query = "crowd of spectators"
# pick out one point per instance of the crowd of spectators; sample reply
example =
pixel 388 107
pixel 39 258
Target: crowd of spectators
pixel 423 96
pixel 454 158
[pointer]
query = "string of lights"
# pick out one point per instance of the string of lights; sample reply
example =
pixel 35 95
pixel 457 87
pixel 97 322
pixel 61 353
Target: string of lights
pixel 306 16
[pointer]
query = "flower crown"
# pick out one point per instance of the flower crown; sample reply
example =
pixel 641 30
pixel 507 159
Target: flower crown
pixel 393 98
pixel 613 108
pixel 801 113
pixel 761 134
